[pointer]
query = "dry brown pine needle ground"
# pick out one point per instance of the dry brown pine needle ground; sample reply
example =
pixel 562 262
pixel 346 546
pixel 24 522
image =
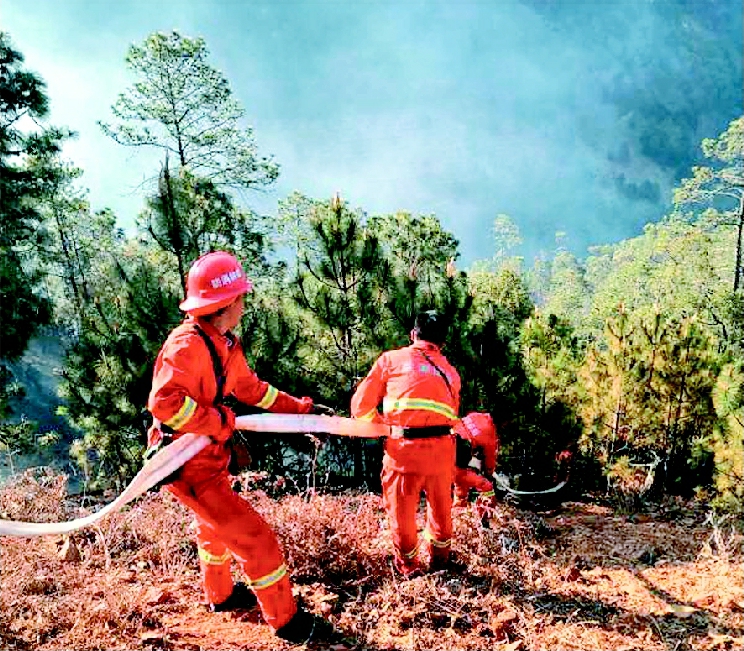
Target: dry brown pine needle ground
pixel 580 577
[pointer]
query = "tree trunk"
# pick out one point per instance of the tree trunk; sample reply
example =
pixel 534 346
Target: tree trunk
pixel 169 206
pixel 739 244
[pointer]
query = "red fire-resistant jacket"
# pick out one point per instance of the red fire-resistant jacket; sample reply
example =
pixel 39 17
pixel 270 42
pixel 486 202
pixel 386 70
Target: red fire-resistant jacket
pixel 184 388
pixel 413 393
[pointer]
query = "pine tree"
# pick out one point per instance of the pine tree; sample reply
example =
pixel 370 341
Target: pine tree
pixel 338 290
pixel 189 216
pixel 108 368
pixel 184 106
pixel 647 392
pixel 721 186
pixel 551 357
pixel 605 376
pixel 338 293
pixel 26 170
pixel 728 439
pixel 684 384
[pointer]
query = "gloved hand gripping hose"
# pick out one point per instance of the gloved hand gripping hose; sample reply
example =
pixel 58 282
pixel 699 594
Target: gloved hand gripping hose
pixel 323 410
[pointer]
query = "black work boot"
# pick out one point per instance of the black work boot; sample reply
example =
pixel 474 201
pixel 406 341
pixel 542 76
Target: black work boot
pixel 305 627
pixel 241 598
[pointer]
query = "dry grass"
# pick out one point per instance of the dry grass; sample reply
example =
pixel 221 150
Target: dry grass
pixel 581 577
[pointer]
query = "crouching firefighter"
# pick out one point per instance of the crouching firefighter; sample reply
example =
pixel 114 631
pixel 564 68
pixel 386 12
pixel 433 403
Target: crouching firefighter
pixel 477 441
pixel 200 363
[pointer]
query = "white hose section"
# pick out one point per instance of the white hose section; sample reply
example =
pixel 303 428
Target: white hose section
pixel 306 424
pixel 156 469
pixel 173 456
pixel 503 481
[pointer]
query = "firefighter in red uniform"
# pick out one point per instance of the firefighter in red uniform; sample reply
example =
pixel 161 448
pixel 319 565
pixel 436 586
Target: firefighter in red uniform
pixel 420 395
pixel 186 397
pixel 479 433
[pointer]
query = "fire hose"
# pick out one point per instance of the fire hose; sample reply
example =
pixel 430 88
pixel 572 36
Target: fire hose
pixel 502 481
pixel 173 456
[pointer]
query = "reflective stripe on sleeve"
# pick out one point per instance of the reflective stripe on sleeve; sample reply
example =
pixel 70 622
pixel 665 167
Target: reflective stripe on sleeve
pixel 487 494
pixel 269 398
pixel 211 559
pixel 440 544
pixel 269 579
pixel 183 415
pixel 418 404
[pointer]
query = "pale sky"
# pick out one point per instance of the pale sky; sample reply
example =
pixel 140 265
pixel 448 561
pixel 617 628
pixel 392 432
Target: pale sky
pixel 463 109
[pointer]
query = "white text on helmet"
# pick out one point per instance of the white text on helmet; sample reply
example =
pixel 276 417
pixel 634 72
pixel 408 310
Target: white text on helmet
pixel 226 279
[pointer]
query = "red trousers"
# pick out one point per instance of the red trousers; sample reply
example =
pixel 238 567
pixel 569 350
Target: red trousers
pixel 467 478
pixel 227 526
pixel 401 493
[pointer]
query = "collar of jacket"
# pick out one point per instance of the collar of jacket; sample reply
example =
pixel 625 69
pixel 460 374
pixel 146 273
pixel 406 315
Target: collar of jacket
pixel 228 338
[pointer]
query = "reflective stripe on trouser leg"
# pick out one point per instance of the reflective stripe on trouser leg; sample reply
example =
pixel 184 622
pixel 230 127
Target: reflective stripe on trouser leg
pixel 438 532
pixel 400 495
pixel 408 556
pixel 438 544
pixel 406 562
pixel 214 562
pixel 226 517
pixel 264 582
pixel 438 549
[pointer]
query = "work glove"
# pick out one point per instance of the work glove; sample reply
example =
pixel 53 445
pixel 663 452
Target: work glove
pixel 227 416
pixel 323 410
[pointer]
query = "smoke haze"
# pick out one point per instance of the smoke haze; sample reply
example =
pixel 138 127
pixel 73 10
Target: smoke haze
pixel 569 116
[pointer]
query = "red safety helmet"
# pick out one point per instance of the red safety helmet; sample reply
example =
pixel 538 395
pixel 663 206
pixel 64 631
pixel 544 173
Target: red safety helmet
pixel 479 424
pixel 214 281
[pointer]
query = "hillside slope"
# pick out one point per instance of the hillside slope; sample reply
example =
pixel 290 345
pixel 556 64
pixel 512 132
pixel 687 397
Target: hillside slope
pixel 578 577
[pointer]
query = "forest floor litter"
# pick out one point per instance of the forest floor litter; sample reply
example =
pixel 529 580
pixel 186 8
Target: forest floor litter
pixel 581 575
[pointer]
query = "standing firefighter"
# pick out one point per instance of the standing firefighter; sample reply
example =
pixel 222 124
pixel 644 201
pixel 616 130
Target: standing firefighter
pixel 420 395
pixel 200 363
pixel 478 436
